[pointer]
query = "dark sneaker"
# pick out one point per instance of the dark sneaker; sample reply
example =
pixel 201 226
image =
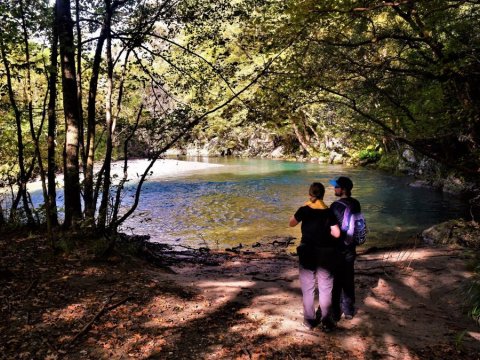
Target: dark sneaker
pixel 348 316
pixel 318 315
pixel 336 316
pixel 327 327
pixel 308 324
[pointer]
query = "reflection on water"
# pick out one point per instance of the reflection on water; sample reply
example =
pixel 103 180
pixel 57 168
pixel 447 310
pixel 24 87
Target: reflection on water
pixel 246 200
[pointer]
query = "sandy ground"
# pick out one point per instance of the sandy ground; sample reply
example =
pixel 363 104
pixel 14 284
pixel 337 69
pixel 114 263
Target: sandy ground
pixel 410 306
pixel 161 169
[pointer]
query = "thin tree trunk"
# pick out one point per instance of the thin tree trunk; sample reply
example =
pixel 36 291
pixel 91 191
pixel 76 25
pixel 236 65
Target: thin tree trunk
pixel 303 139
pixel 88 191
pixel 117 202
pixel 73 210
pixel 110 125
pixel 22 185
pixel 2 217
pixel 81 141
pixel 52 125
pixel 90 204
pixel 30 120
pixel 116 206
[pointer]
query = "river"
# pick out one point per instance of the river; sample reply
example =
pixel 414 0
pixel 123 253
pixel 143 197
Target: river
pixel 245 200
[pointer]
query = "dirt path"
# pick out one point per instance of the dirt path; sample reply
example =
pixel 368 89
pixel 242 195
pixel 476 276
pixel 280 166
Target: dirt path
pixel 409 307
pixel 249 307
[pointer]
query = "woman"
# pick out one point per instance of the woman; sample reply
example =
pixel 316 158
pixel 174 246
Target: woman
pixel 317 256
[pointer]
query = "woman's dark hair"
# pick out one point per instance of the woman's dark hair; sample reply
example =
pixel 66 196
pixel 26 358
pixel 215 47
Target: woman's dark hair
pixel 317 190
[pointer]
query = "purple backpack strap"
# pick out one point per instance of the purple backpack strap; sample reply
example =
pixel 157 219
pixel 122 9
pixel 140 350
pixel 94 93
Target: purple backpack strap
pixel 347 227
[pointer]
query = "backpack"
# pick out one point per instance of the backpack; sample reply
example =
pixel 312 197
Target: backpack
pixel 354 225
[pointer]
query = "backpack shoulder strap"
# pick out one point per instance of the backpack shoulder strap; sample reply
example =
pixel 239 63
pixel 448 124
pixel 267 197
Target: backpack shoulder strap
pixel 346 215
pixel 343 202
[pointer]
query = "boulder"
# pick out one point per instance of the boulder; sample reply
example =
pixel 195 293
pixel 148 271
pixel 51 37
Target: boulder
pixel 409 156
pixel 454 232
pixel 278 152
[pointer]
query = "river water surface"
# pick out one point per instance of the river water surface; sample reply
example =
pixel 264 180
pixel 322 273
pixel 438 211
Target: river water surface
pixel 244 201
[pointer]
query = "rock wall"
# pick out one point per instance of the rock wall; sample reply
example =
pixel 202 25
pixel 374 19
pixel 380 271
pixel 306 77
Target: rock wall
pixel 255 141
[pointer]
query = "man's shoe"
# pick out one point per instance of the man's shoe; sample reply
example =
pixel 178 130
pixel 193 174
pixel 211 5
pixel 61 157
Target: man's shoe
pixel 318 315
pixel 327 327
pixel 308 324
pixel 348 317
pixel 336 316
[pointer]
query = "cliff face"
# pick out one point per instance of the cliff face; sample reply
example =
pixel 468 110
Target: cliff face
pixel 258 142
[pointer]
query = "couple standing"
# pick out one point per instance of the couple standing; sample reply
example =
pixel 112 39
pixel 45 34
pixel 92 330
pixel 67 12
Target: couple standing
pixel 324 257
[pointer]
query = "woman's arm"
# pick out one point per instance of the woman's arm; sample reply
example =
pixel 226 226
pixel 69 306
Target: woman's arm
pixel 335 231
pixel 293 222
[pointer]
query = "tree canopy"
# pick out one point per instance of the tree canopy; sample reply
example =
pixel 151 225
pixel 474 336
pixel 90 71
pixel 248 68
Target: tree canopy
pixel 139 76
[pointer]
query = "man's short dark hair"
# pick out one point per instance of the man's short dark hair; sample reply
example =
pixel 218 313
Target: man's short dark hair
pixel 342 182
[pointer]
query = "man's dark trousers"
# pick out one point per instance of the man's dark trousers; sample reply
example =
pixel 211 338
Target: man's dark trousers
pixel 343 296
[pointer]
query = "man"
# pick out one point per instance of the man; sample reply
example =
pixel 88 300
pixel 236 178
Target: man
pixel 343 300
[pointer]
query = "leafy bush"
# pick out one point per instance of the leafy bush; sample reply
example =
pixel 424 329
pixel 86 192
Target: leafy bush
pixel 473 293
pixel 370 154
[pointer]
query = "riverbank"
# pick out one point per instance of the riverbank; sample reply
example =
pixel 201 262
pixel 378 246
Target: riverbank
pixel 161 169
pixel 247 306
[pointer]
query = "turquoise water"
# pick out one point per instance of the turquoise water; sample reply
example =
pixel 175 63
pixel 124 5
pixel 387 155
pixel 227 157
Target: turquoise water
pixel 247 200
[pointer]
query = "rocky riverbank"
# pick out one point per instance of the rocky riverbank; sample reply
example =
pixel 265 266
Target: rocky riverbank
pixel 454 233
pixel 427 172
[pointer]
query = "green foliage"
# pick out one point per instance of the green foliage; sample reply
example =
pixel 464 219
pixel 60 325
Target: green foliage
pixel 473 291
pixel 371 154
pixel 84 243
pixel 337 76
pixel 65 245
pixel 390 73
pixel 459 338
pixel 388 162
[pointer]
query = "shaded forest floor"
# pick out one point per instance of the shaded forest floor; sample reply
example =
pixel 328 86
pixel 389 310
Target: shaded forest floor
pixel 410 306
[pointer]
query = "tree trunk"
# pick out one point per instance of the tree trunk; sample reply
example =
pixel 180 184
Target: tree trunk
pixel 52 125
pixel 117 202
pixel 91 112
pixel 110 125
pixel 81 141
pixel 303 138
pixel 73 211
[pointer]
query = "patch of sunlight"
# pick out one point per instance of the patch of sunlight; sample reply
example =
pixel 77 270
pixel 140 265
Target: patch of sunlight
pixel 92 270
pixel 394 350
pixel 386 295
pixel 222 284
pixel 376 303
pixel 253 315
pixel 352 343
pixel 417 286
pixel 69 313
pixel 293 323
pixel 475 335
pixel 383 286
pixel 216 352
pixel 277 298
pixel 223 291
pixel 243 327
